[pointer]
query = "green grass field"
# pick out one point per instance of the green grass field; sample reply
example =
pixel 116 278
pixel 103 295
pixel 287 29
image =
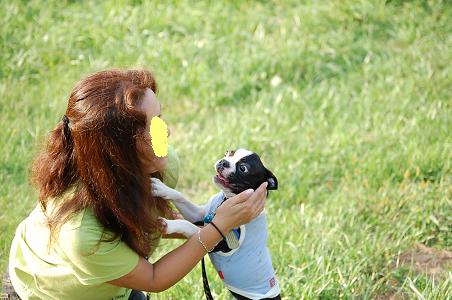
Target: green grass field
pixel 348 102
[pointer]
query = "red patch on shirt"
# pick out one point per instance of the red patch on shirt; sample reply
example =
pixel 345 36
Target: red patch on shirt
pixel 221 275
pixel 272 282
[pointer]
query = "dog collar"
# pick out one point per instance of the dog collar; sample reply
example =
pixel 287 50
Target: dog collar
pixel 209 217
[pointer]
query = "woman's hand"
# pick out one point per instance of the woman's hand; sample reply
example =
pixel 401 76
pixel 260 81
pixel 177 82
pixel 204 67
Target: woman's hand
pixel 241 209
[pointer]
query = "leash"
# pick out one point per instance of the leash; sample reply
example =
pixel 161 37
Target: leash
pixel 205 282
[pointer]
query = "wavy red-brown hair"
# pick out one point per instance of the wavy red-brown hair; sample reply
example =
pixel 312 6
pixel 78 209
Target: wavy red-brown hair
pixel 96 155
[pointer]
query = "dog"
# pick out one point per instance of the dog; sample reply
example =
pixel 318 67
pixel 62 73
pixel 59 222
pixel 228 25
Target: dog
pixel 242 260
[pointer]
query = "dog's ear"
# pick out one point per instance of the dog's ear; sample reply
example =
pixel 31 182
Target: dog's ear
pixel 271 179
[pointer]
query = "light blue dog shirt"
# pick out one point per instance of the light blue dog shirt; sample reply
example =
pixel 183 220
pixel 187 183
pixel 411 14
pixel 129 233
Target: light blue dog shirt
pixel 247 270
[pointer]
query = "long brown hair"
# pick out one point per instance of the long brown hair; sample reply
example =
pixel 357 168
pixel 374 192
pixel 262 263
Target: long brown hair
pixel 93 150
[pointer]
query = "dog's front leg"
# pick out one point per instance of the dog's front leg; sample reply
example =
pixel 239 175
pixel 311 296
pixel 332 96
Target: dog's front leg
pixel 180 226
pixel 188 209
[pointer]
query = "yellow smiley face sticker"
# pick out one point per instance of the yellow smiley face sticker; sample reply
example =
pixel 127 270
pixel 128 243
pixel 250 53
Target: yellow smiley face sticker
pixel 159 137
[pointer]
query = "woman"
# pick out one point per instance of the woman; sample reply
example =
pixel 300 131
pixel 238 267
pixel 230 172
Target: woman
pixel 97 221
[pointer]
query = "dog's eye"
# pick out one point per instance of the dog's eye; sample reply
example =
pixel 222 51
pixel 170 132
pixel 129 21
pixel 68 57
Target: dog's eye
pixel 243 168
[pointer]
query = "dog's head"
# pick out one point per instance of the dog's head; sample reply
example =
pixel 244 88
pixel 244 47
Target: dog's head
pixel 241 170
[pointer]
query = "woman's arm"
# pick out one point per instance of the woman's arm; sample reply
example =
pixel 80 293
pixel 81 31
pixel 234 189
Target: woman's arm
pixel 170 268
pixel 179 236
pixel 176 264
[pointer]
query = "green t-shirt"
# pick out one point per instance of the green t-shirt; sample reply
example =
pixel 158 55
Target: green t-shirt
pixel 77 266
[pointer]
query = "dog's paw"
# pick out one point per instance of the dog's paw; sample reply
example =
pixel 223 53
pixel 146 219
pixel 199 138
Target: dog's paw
pixel 162 225
pixel 159 189
pixel 180 226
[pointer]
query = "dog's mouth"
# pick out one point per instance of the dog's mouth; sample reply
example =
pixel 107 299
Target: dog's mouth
pixel 221 180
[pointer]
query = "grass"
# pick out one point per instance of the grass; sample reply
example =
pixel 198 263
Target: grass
pixel 348 102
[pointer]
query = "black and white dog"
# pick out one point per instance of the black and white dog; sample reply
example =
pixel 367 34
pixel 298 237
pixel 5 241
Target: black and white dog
pixel 243 260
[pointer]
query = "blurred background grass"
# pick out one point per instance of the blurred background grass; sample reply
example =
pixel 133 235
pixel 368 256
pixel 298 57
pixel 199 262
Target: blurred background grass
pixel 347 102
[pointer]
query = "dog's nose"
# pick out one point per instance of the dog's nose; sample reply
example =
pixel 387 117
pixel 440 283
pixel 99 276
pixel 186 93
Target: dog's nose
pixel 222 164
